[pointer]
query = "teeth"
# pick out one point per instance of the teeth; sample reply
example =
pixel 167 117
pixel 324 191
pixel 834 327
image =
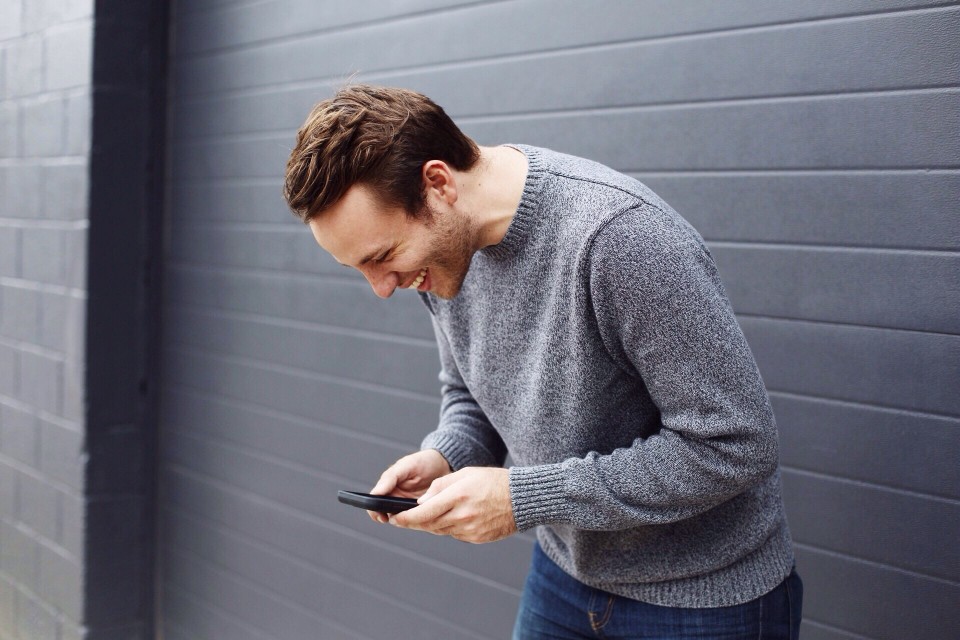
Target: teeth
pixel 419 280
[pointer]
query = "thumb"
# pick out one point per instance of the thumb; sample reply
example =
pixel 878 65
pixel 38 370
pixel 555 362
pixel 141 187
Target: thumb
pixel 437 486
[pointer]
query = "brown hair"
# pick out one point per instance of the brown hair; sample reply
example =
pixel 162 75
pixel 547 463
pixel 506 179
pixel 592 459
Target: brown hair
pixel 377 136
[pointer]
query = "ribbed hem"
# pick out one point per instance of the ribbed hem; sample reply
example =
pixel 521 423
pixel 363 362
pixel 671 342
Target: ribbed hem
pixel 457 455
pixel 536 494
pixel 525 217
pixel 752 576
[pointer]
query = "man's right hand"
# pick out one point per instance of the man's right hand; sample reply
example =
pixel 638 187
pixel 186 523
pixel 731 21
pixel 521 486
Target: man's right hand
pixel 410 477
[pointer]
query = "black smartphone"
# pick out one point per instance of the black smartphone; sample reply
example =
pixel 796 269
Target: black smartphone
pixel 383 504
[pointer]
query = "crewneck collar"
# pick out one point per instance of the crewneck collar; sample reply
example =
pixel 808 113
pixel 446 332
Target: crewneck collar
pixel 525 217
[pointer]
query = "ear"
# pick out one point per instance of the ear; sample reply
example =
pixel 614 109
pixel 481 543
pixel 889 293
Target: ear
pixel 439 182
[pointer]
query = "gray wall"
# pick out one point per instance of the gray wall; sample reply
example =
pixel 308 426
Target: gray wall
pixel 81 117
pixel 45 132
pixel 815 144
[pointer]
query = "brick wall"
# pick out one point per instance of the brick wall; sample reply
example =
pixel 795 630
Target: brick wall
pixel 45 132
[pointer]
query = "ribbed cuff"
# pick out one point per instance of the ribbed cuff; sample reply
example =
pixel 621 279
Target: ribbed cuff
pixel 457 455
pixel 537 495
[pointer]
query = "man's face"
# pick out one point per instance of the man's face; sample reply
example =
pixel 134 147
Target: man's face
pixel 392 250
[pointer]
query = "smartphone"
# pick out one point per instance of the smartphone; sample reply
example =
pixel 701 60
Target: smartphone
pixel 383 504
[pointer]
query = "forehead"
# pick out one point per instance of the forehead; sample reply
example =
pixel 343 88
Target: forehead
pixel 357 225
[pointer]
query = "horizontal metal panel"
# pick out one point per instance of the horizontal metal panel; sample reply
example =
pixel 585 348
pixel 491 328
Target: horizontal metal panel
pixel 810 630
pixel 234 201
pixel 883 367
pixel 402 364
pixel 343 302
pixel 908 130
pixel 182 610
pixel 307 490
pixel 910 209
pixel 308 591
pixel 289 246
pixel 496 30
pixel 383 568
pixel 893 448
pixel 896 289
pixel 843 56
pixel 395 417
pixel 235 25
pixel 247 602
pixel 357 457
pixel 877 602
pixel 889 527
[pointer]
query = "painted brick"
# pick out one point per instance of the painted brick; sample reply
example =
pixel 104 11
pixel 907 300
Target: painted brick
pixel 19 436
pixel 19 555
pixel 21 188
pixel 24 66
pixel 11 14
pixel 75 258
pixel 38 506
pixel 43 256
pixel 41 381
pixel 9 124
pixel 79 123
pixel 53 319
pixel 74 394
pixel 43 124
pixel 41 14
pixel 34 620
pixel 8 606
pixel 8 491
pixel 70 631
pixel 65 191
pixel 61 582
pixel 61 454
pixel 9 251
pixel 72 524
pixel 69 53
pixel 9 368
pixel 21 313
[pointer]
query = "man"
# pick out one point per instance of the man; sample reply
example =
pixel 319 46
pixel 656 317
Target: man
pixel 582 328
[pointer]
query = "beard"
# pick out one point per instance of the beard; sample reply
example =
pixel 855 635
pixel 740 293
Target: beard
pixel 452 251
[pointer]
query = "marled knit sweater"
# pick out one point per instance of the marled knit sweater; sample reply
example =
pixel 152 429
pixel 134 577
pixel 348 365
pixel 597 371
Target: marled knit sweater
pixel 596 345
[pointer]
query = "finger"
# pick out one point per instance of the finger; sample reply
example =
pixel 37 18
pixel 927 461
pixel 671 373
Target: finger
pixel 438 485
pixel 425 517
pixel 376 516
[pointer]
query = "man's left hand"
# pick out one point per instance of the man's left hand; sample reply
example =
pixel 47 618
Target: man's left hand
pixel 472 505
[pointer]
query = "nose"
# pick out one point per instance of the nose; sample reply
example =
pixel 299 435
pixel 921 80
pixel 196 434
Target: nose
pixel 382 283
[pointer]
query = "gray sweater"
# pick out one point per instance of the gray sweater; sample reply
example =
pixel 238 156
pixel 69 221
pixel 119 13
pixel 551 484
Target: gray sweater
pixel 595 345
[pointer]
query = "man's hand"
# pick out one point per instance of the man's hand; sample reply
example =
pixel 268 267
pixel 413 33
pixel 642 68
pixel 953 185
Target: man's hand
pixel 410 477
pixel 472 505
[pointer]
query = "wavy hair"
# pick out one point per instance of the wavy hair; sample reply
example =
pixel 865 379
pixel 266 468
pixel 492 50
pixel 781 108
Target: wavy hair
pixel 377 136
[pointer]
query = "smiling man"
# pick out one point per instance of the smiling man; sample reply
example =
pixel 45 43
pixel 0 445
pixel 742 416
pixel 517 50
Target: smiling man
pixel 583 328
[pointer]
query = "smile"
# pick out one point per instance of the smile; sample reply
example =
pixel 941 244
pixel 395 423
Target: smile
pixel 419 279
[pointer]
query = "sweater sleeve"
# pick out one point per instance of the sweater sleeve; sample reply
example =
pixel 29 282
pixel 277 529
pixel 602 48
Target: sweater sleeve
pixel 664 317
pixel 464 436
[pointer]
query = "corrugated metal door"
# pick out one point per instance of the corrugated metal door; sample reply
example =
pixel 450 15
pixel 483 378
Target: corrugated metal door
pixel 814 144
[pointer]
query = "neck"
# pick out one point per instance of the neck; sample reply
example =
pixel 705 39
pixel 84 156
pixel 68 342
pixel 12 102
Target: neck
pixel 493 190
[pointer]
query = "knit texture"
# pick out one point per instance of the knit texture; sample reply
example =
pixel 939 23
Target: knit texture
pixel 595 344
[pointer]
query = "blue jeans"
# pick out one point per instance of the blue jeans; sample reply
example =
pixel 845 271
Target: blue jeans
pixel 554 605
